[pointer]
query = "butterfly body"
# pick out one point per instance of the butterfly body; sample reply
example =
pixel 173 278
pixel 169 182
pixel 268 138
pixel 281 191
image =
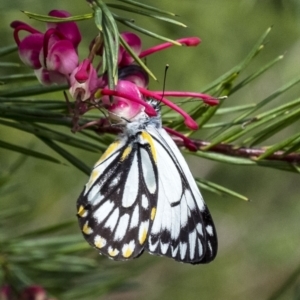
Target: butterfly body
pixel 142 196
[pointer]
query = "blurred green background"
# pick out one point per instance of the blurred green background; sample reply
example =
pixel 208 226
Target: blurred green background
pixel 259 240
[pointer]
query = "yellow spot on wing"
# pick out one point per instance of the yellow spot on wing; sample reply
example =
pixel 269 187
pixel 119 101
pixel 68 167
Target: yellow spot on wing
pixel 153 213
pixel 81 211
pixel 143 237
pixel 146 136
pixel 94 175
pixel 126 152
pixel 86 229
pixel 108 151
pixel 113 252
pixel 127 251
pixel 100 242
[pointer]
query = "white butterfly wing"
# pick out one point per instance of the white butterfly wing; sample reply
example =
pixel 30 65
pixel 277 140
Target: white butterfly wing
pixel 141 194
pixel 182 228
pixel 114 210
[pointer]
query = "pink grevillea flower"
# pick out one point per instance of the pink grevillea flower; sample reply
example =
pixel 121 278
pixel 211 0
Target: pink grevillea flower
pixel 134 74
pixel 52 55
pixel 141 80
pixel 130 98
pixel 5 293
pixel 124 58
pixel 84 81
pixel 135 43
pixel 130 95
pixel 127 100
pixel 33 292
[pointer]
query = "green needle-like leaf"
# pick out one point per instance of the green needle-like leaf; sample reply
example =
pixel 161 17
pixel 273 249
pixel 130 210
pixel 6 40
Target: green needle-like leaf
pixel 52 134
pixel 294 148
pixel 256 74
pixel 145 13
pixel 111 41
pixel 8 49
pixel 233 109
pixel 218 189
pixel 32 90
pixel 99 18
pixel 17 77
pixel 223 158
pixel 148 7
pixel 273 128
pixel 135 57
pixel 273 96
pixel 68 156
pixel 148 32
pixel 279 146
pixel 49 19
pixel 233 73
pixel 28 152
pixel 47 230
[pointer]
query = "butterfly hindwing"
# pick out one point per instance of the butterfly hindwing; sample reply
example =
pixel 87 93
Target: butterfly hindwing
pixel 183 228
pixel 116 205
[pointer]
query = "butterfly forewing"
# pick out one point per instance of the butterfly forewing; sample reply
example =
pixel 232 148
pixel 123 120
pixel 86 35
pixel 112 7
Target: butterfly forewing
pixel 115 208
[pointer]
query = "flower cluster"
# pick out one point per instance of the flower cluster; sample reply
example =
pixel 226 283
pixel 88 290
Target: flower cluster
pixel 53 54
pixel 33 292
pixel 54 58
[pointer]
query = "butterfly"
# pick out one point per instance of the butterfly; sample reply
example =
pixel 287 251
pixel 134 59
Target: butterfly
pixel 141 196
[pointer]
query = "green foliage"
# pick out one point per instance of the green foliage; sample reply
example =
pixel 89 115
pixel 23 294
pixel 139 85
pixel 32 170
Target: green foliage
pixel 254 134
pixel 51 256
pixel 241 133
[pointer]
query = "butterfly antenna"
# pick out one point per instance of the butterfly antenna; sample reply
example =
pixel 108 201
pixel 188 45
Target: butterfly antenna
pixel 165 80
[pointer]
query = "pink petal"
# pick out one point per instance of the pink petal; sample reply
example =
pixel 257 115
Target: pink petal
pixel 135 43
pixel 46 77
pixel 123 107
pixel 59 13
pixel 62 57
pixel 33 292
pixel 5 292
pixel 84 81
pixel 134 74
pixel 29 50
pixel 17 23
pixel 43 76
pixel 21 26
pixel 58 78
pixel 69 29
